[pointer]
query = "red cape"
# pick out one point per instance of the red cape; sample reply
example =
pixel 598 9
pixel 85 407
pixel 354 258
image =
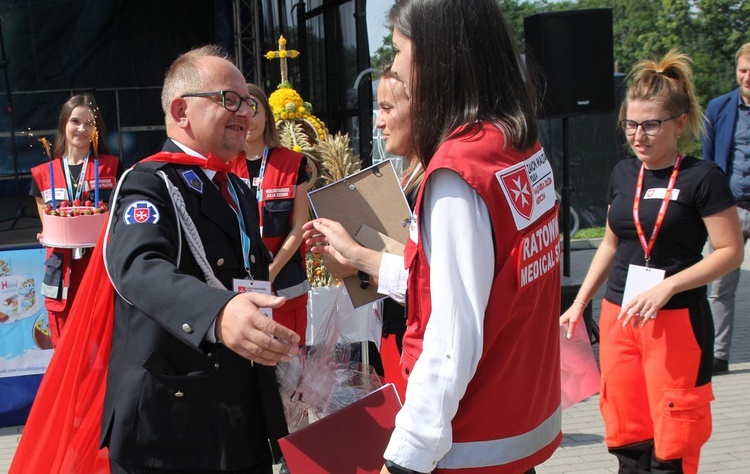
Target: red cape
pixel 62 432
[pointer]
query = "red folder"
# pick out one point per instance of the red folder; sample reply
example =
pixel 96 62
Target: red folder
pixel 349 441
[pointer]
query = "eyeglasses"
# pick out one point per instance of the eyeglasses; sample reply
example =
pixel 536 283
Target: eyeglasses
pixel 230 100
pixel 649 127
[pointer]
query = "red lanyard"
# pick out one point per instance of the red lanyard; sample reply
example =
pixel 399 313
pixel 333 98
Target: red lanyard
pixel 647 247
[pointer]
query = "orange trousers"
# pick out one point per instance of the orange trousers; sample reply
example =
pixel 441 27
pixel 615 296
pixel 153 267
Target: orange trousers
pixel 656 388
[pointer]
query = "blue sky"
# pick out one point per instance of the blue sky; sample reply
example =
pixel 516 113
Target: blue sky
pixel 376 30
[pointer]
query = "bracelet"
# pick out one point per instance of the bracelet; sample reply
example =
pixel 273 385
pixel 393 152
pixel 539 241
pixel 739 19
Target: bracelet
pixel 364 279
pixel 581 303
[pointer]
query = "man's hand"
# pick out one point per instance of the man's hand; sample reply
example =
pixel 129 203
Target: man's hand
pixel 251 334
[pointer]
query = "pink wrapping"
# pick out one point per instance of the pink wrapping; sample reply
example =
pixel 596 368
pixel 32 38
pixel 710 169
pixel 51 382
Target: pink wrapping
pixel 579 374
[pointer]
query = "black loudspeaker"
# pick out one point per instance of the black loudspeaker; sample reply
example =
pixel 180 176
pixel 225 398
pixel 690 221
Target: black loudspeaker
pixel 574 51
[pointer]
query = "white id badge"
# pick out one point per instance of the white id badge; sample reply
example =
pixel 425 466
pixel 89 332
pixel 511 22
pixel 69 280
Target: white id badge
pixel 639 280
pixel 254 286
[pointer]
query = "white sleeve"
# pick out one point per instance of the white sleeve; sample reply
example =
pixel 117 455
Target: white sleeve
pixel 392 277
pixel 457 236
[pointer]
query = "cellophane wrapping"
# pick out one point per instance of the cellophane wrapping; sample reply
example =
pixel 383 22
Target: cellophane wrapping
pixel 323 378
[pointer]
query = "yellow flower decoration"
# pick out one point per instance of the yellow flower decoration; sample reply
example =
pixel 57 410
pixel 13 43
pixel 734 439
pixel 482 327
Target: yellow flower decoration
pixel 284 100
pixel 286 103
pixel 297 148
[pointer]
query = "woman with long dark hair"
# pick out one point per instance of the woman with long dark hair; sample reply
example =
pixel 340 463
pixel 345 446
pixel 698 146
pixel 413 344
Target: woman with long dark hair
pixel 69 178
pixel 481 348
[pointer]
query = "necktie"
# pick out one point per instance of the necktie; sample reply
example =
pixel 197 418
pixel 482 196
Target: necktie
pixel 222 181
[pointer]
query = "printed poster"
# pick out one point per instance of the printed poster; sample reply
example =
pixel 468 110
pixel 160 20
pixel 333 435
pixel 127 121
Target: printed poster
pixel 25 344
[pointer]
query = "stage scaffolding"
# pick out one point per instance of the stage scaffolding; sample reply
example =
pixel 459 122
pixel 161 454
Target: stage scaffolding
pixel 47 66
pixel 247 38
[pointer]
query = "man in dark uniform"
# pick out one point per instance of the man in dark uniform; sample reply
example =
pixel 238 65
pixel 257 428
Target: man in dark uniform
pixel 191 384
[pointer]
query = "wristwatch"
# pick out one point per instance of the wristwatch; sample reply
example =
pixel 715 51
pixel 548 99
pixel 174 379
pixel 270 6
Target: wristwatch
pixel 364 279
pixel 396 469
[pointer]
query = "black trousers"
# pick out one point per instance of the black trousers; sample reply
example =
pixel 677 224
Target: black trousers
pixel 117 468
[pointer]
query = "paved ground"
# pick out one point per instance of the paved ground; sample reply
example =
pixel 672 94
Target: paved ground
pixel 583 450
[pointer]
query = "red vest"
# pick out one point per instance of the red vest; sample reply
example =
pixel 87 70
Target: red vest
pixel 276 211
pixel 56 295
pixel 509 419
pixel 107 176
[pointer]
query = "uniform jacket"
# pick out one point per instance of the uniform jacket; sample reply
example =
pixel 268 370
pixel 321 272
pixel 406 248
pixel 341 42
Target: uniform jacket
pixel 56 283
pixel 174 400
pixel 509 419
pixel 721 119
pixel 279 189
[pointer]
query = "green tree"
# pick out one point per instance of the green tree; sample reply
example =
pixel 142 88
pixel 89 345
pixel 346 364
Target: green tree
pixel 710 31
pixel 515 11
pixel 721 28
pixel 384 54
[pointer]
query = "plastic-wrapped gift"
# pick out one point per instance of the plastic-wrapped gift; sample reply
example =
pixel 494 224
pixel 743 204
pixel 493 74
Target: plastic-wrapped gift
pixel 326 376
pixel 579 374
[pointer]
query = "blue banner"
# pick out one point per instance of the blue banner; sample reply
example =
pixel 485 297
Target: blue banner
pixel 25 344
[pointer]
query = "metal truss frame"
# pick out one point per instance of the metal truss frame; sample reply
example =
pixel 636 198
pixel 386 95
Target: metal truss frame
pixel 247 38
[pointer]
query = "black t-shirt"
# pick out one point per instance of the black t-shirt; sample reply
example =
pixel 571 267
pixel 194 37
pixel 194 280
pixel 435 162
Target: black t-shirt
pixel 75 170
pixel 702 190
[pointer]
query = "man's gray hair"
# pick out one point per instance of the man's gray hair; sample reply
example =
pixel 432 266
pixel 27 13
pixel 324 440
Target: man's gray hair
pixel 186 76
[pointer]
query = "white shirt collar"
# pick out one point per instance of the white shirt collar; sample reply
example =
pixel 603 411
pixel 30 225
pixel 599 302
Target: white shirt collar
pixel 191 152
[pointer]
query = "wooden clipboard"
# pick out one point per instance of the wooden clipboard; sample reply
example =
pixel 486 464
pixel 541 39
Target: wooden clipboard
pixel 366 201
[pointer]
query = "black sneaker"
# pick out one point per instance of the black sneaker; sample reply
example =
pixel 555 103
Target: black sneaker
pixel 721 366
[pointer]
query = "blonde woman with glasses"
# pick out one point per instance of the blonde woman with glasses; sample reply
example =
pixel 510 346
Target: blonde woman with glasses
pixel 656 330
